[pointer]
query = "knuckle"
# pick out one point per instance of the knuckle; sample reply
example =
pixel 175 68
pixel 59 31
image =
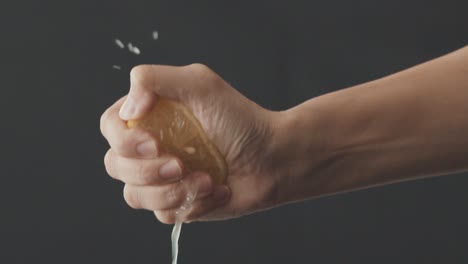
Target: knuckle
pixel 173 194
pixel 199 68
pixel 205 80
pixel 103 122
pixel 131 197
pixel 126 146
pixel 127 142
pixel 165 216
pixel 108 162
pixel 145 174
pixel 140 73
pixel 204 72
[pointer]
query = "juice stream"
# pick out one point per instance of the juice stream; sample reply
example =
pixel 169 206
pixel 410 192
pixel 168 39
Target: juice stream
pixel 180 216
pixel 179 133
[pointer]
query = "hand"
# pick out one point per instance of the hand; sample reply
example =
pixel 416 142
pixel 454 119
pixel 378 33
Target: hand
pixel 242 131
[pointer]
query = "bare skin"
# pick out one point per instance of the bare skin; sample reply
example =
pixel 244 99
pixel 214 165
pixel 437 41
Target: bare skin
pixel 409 125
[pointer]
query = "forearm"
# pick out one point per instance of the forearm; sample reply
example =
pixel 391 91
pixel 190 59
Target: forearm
pixel 409 125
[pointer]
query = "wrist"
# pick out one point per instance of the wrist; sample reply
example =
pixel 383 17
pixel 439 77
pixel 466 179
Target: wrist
pixel 304 154
pixel 319 147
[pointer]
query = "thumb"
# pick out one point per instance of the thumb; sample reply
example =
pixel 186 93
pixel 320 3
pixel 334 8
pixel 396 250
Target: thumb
pixel 141 96
pixel 149 81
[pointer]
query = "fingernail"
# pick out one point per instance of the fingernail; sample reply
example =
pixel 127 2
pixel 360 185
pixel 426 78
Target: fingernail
pixel 170 170
pixel 147 148
pixel 204 184
pixel 221 194
pixel 128 109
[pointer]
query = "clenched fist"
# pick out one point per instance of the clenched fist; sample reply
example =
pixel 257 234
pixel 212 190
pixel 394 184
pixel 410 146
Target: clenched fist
pixel 241 130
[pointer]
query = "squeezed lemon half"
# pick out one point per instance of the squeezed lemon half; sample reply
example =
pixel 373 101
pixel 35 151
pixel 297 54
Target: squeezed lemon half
pixel 180 134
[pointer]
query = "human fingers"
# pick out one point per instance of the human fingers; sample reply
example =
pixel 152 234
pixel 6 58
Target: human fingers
pixel 165 197
pixel 200 207
pixel 126 142
pixel 162 170
pixel 177 83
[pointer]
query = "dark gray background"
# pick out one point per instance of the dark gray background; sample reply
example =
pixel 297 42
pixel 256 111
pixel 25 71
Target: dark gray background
pixel 57 205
